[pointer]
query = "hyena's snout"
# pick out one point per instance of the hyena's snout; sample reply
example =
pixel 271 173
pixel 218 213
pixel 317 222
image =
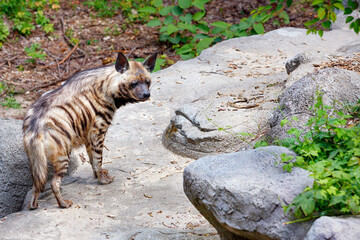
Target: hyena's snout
pixel 142 92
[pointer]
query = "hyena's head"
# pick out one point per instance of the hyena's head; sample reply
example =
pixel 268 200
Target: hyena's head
pixel 135 78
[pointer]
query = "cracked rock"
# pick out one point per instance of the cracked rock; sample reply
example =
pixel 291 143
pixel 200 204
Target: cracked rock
pixel 294 62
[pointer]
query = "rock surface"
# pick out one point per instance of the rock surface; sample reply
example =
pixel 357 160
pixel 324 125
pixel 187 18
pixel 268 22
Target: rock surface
pixel 335 228
pixel 15 177
pixel 255 78
pixel 146 196
pixel 241 193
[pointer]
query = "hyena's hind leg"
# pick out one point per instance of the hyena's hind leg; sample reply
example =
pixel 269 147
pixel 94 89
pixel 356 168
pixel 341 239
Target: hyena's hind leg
pixel 38 166
pixel 61 165
pixel 95 150
pixel 34 204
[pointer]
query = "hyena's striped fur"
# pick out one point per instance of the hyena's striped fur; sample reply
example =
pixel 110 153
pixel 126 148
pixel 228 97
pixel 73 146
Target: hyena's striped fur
pixel 80 112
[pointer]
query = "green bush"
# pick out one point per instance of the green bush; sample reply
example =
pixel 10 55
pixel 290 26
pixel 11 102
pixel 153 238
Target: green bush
pixel 21 13
pixel 330 151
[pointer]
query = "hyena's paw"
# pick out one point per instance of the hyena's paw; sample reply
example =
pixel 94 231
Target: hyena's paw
pixel 33 206
pixel 65 204
pixel 104 177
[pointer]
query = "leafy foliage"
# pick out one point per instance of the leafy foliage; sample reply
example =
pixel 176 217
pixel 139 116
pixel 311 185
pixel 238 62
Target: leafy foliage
pixel 182 25
pixel 330 150
pixel 35 52
pixel 132 10
pixel 8 101
pixel 21 13
pixel 188 34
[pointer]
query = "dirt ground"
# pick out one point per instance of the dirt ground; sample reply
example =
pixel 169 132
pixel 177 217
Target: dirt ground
pixel 98 46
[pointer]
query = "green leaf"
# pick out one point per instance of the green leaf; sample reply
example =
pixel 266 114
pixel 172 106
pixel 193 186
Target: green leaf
pixel 349 19
pixel 174 40
pixel 217 30
pixel 332 190
pixel 320 32
pixel 339 5
pixel 184 3
pixel 154 23
pixel 171 28
pixel 189 27
pixel 321 13
pixel 165 11
pixel 187 18
pixel 353 4
pixel 159 62
pixel 185 49
pixel 326 24
pixel 289 3
pixel 259 28
pixel 147 9
pixel 282 15
pixel 176 11
pixel 311 22
pixel 354 161
pixel 203 44
pixel 202 27
pixel 200 4
pixel 199 15
pixel 200 36
pixel 317 2
pixel 336 199
pixel 333 16
pixel 158 3
pixel 283 122
pixel 243 25
pixel 220 24
pixel 306 202
pixel 348 11
pixel 169 19
pixel 187 56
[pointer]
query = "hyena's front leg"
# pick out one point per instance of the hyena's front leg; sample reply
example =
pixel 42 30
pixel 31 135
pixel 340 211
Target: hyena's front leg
pixel 61 165
pixel 95 150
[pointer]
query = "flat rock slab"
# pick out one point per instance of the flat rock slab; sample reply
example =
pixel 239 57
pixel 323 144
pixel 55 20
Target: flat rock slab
pixel 241 194
pixel 147 192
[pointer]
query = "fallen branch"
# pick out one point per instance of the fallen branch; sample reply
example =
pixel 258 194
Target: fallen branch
pixel 66 37
pixel 62 61
pixel 234 105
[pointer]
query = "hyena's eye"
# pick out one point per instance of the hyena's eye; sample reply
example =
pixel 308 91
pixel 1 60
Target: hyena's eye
pixel 134 83
pixel 147 81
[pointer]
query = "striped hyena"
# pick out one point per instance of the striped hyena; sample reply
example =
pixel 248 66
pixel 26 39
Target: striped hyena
pixel 80 112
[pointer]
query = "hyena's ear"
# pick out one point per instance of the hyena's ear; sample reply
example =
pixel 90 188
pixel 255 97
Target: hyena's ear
pixel 149 63
pixel 121 64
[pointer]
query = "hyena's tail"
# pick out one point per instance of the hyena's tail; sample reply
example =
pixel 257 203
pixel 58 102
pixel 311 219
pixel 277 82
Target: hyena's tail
pixel 38 166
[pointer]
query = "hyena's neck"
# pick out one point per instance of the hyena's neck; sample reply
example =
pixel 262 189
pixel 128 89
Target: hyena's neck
pixel 119 102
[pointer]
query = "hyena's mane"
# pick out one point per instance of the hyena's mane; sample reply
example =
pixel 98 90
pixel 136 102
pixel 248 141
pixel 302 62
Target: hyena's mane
pixel 73 86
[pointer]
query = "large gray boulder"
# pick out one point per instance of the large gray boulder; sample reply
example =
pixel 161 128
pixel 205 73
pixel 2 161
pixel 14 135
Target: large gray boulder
pixel 335 228
pixel 338 85
pixel 241 194
pixel 214 125
pixel 15 177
